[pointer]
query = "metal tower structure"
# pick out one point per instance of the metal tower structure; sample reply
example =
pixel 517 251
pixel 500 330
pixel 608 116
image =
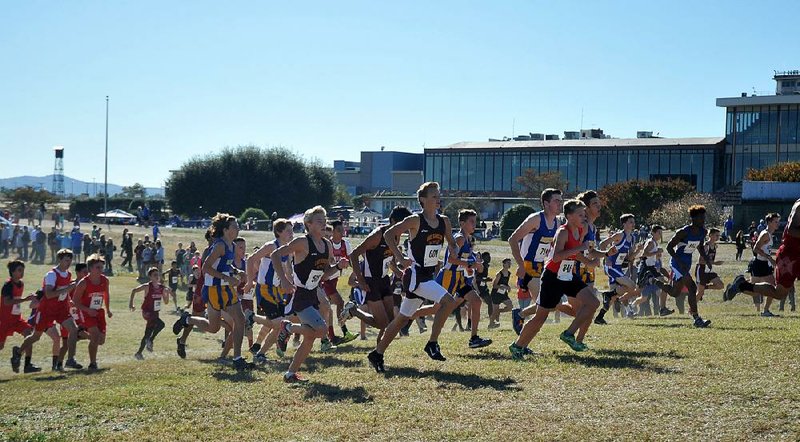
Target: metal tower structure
pixel 58 171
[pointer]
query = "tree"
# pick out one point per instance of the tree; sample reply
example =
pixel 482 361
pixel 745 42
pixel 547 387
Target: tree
pixel 675 214
pixel 638 197
pixel 252 212
pixel 341 197
pixel 532 183
pixel 455 206
pixel 513 218
pixel 27 196
pixel 234 179
pixel 785 172
pixel 134 191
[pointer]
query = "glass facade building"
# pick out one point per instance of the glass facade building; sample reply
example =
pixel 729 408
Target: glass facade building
pixel 493 167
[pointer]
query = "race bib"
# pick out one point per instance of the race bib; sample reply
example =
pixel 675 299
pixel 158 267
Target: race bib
pixel 398 290
pixel 97 301
pixel 502 290
pixel 542 250
pixel 591 246
pixel 16 309
pixel 565 270
pixel 276 280
pixel 222 281
pixel 691 246
pixel 63 296
pixel 385 267
pixel 174 279
pixel 248 296
pixel 156 305
pixel 431 256
pixel 620 259
pixel 313 279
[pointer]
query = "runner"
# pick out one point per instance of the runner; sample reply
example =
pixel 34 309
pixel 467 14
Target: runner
pixel 341 249
pixel 91 294
pixel 705 277
pixel 620 285
pixel 458 272
pixel 372 277
pixel 54 308
pixel 313 263
pixel 681 247
pixel 500 289
pixel 559 278
pixel 427 233
pixel 787 265
pixel 650 270
pixel 11 321
pixel 533 238
pixel 155 295
pixel 218 288
pixel 173 274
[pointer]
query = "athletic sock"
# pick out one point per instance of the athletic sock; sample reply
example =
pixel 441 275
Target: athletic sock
pixel 331 335
pixel 27 360
pixel 344 329
pixel 55 360
pixel 601 313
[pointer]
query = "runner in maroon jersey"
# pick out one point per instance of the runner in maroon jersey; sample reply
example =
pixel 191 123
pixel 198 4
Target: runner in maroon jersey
pixel 91 296
pixel 11 314
pixel 155 296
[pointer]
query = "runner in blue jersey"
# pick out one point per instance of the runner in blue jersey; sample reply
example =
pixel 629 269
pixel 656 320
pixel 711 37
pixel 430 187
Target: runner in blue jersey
pixel 621 286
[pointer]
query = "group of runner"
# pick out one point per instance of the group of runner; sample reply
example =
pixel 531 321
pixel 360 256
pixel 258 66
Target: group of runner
pixel 289 285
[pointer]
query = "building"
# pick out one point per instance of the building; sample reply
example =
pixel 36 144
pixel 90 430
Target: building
pixel 762 130
pixel 381 171
pixel 491 168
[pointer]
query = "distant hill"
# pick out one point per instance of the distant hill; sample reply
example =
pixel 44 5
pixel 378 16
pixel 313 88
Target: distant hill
pixel 71 185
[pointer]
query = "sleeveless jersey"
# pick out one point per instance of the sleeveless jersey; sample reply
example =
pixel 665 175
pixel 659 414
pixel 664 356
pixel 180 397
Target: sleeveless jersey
pixel 623 248
pixel 790 245
pixel 711 253
pixel 688 246
pixel 424 248
pixel 342 250
pixel 153 297
pixel 766 248
pixel 308 272
pixel 540 241
pixel 95 294
pixel 564 269
pixel 503 280
pixel 464 254
pixel 63 300
pixel 8 312
pixel 223 264
pixel 266 273
pixel 377 260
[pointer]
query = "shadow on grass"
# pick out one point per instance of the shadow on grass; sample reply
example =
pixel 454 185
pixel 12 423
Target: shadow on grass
pixel 639 354
pixel 335 393
pixel 471 381
pixel 315 363
pixel 488 356
pixel 614 362
pixel 65 374
pixel 234 375
pixel 673 325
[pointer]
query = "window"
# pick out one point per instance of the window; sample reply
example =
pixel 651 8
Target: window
pixel 480 173
pixel 445 183
pixel 498 172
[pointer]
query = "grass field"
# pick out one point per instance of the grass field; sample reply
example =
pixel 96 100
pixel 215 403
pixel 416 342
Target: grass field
pixel 643 379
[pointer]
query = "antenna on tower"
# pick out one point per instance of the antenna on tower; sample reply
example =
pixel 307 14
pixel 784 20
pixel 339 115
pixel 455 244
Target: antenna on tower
pixel 58 171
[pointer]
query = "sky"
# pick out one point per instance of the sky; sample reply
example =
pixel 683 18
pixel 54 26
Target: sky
pixel 330 79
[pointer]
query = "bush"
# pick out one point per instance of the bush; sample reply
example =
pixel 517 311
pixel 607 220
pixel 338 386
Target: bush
pixel 252 212
pixel 512 219
pixel 785 172
pixel 675 214
pixel 638 197
pixel 455 206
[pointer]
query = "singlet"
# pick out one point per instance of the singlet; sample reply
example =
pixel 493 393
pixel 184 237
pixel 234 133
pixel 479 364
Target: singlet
pixel 342 250
pixel 377 260
pixel 54 304
pixel 711 254
pixel 790 245
pixel 464 254
pixel 564 269
pixel 243 282
pixel 95 294
pixel 651 260
pixel 623 248
pixel 503 280
pixel 308 272
pixel 266 273
pixel 591 239
pixel 424 249
pixel 11 312
pixel 223 264
pixel 153 297
pixel 687 247
pixel 766 248
pixel 540 240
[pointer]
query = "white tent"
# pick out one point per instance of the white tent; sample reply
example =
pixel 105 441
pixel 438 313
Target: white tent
pixel 117 215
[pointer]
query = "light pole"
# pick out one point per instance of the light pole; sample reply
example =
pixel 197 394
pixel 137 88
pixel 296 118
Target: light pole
pixel 105 188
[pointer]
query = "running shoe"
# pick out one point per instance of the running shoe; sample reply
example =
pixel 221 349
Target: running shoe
pixel 346 313
pixel 326 345
pixel 516 321
pixel 583 346
pixel 517 353
pixel 180 323
pixel 528 352
pixel 16 355
pixel 434 352
pixel 59 366
pixel 733 289
pixel 241 364
pixel 493 325
pixel 255 348
pixel 261 359
pixel 376 361
pixel 138 357
pixel 478 342
pixel 700 323
pixel 665 311
pixel 348 336
pixel 92 366
pixel 181 349
pixel 294 378
pixel 600 321
pixel 30 368
pixel 630 312
pixel 148 344
pixel 768 314
pixel 283 336
pixel 71 363
pixel 570 340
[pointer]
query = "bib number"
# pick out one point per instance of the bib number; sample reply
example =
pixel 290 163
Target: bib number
pixel 502 290
pixel 431 256
pixel 691 246
pixel 156 305
pixel 385 267
pixel 565 270
pixel 63 296
pixel 620 259
pixel 96 302
pixel 591 246
pixel 174 279
pixel 16 309
pixel 542 250
pixel 313 279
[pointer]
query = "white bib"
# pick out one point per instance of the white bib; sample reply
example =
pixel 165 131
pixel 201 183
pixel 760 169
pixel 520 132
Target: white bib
pixel 565 270
pixel 97 301
pixel 502 290
pixel 276 280
pixel 313 279
pixel 248 296
pixel 542 250
pixel 691 246
pixel 620 259
pixel 385 267
pixel 16 309
pixel 174 279
pixel 156 305
pixel 431 256
pixel 589 244
pixel 63 296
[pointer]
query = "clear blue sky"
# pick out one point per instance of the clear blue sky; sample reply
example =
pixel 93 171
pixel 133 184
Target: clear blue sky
pixel 329 79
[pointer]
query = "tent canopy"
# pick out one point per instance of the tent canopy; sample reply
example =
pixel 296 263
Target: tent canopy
pixel 116 214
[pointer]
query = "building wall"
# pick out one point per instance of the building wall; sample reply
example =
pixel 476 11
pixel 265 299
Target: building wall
pixel 377 168
pixel 407 182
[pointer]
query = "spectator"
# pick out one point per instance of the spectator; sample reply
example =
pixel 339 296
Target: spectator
pixel 66 241
pixel 40 245
pixel 761 226
pixel 34 256
pixel 95 232
pixel 147 258
pixel 158 256
pixel 740 245
pixel 25 240
pixel 77 241
pixel 4 234
pixel 109 254
pixel 728 228
pixel 156 231
pixel 54 242
pixel 88 249
pixel 181 261
pixel 137 253
pixel 127 249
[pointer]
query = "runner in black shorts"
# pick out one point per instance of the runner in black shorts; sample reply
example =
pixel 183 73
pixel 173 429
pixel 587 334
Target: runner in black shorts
pixel 706 278
pixel 500 289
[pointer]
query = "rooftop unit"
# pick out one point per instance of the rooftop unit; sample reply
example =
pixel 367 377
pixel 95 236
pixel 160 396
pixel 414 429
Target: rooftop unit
pixel 787 82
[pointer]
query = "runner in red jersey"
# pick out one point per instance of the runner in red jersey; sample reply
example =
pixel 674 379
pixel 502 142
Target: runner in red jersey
pixel 341 249
pixel 60 346
pixel 559 278
pixel 11 314
pixel 91 295
pixel 54 307
pixel 787 265
pixel 155 296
